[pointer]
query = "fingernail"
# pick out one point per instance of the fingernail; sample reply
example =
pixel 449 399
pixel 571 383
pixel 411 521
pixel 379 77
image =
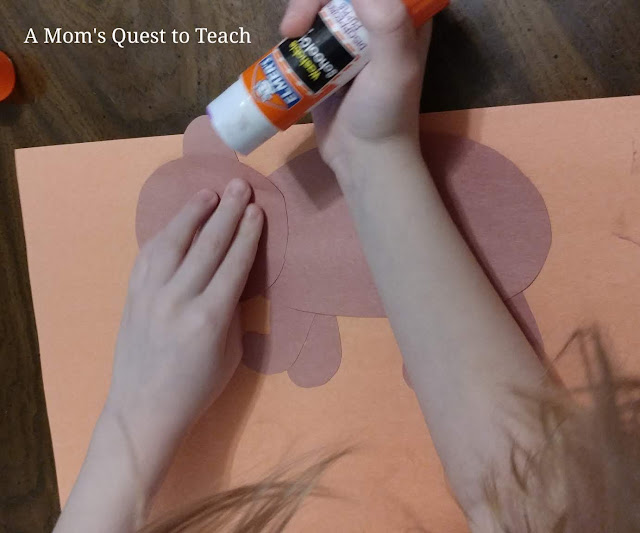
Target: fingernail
pixel 204 194
pixel 238 187
pixel 208 197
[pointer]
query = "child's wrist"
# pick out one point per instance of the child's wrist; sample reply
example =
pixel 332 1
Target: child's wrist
pixel 371 159
pixel 148 446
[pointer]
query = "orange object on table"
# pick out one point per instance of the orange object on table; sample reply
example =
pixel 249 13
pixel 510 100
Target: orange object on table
pixel 7 76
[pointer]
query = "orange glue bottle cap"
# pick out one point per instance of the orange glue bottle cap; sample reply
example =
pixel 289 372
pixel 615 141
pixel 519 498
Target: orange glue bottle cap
pixel 7 76
pixel 423 10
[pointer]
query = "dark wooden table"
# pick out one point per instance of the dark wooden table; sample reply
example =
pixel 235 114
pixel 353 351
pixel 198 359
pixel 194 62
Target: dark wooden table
pixel 485 53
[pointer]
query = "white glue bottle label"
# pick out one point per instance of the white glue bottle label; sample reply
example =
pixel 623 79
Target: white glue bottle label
pixel 277 90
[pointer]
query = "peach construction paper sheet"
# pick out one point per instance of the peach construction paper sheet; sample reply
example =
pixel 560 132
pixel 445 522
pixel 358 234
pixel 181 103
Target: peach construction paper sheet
pixel 79 207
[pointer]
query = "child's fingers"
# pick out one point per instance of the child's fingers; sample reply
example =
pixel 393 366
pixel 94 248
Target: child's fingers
pixel 299 17
pixel 227 285
pixel 168 248
pixel 210 248
pixel 392 38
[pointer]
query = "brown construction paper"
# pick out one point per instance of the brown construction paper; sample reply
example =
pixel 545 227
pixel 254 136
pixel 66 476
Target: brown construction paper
pixel 496 206
pixel 169 188
pixel 310 258
pixel 79 206
pixel 325 271
pixel 275 350
pixel 200 139
pixel 320 356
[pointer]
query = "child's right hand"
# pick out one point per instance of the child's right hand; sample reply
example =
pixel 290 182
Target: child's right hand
pixel 378 114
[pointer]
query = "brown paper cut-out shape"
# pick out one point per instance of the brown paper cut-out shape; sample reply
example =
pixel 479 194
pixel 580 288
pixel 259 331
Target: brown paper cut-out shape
pixel 501 214
pixel 310 265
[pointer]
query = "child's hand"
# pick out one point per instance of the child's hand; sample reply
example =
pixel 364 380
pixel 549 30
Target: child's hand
pixel 177 348
pixel 179 344
pixel 381 108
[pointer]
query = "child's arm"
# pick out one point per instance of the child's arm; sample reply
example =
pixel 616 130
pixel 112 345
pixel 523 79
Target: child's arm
pixel 177 348
pixel 463 350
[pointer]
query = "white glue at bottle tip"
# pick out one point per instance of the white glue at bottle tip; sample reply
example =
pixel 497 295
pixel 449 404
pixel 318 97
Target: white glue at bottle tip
pixel 277 90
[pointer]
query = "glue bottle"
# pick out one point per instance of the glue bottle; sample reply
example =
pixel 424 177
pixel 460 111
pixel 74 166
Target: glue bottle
pixel 277 90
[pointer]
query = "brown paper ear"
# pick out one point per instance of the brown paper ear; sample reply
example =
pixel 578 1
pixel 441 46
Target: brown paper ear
pixel 201 139
pixel 497 208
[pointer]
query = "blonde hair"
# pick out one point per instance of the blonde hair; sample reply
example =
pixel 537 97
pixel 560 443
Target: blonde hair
pixel 584 479
pixel 267 506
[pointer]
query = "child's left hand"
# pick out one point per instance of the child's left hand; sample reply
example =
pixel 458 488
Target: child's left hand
pixel 177 349
pixel 179 343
